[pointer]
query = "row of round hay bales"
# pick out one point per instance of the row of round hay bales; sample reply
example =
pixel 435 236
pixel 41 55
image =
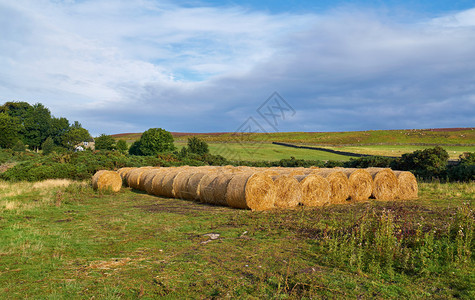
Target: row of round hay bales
pixel 265 188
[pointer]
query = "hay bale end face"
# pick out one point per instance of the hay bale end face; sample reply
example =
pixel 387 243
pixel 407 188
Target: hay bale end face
pixel 288 191
pixel 339 184
pixel 385 184
pixel 315 190
pixel 360 184
pixel 407 185
pixel 254 191
pixel 107 181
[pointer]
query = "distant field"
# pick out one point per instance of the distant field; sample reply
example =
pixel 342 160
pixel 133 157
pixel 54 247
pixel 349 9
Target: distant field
pixel 452 136
pixel 266 152
pixel 378 142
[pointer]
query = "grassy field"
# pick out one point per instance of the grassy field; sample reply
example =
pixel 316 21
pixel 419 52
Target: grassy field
pixel 59 239
pixel 266 152
pixel 255 147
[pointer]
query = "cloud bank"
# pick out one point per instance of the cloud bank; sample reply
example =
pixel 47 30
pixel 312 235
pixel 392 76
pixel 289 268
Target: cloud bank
pixel 126 66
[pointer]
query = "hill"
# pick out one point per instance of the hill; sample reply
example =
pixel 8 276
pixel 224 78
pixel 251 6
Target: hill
pixel 420 137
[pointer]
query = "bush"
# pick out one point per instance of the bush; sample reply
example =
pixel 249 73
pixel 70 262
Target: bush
pixel 370 161
pixel 104 142
pixel 464 170
pixel 48 146
pixel 155 141
pixel 428 163
pixel 197 146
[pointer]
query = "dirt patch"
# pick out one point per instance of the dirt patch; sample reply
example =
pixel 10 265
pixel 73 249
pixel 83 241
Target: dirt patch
pixel 182 208
pixel 4 167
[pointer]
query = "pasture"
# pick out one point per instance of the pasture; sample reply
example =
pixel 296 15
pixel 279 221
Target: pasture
pixel 60 239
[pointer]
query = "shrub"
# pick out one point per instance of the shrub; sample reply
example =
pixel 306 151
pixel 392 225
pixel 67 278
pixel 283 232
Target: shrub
pixel 155 141
pixel 197 146
pixel 48 146
pixel 104 142
pixel 427 163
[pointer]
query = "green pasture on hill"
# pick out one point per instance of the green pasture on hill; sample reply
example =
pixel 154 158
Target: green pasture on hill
pixel 69 242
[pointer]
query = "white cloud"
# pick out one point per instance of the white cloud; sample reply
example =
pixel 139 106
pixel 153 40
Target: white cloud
pixel 129 65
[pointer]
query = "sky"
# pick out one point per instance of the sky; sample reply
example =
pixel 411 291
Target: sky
pixel 120 66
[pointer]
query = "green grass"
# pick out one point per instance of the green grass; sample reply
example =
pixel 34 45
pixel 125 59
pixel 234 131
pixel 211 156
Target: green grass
pixel 398 150
pixel 266 152
pixel 63 240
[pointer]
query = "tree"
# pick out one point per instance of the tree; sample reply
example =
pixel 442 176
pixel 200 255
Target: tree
pixel 36 125
pixel 197 146
pixel 74 136
pixel 135 148
pixel 9 130
pixel 19 146
pixel 104 142
pixel 48 146
pixel 121 146
pixel 59 126
pixel 156 140
pixel 427 163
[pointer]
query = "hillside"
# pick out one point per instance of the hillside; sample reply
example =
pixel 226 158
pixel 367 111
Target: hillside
pixel 429 137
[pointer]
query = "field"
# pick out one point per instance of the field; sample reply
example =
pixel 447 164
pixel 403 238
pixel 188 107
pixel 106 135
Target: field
pixel 60 239
pixel 379 142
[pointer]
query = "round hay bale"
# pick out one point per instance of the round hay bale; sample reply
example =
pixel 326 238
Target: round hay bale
pixel 107 180
pixel 180 183
pixel 288 191
pixel 96 176
pixel 385 184
pixel 206 188
pixel 315 190
pixel 407 185
pixel 360 183
pixel 133 177
pixel 254 191
pixel 220 187
pixel 339 186
pixel 148 179
pixel 167 183
pixel 124 174
pixel 143 177
pixel 192 191
pixel 157 180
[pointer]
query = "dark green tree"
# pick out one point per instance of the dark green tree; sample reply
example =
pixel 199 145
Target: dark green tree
pixel 37 124
pixel 48 146
pixel 427 163
pixel 16 109
pixel 197 146
pixel 121 146
pixel 104 142
pixel 59 126
pixel 135 148
pixel 9 130
pixel 74 136
pixel 156 140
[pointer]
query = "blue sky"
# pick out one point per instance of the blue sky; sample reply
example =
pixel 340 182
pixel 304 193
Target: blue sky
pixel 206 66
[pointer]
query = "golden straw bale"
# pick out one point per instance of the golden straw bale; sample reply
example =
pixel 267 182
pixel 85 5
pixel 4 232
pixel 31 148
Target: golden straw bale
pixel 407 185
pixel 180 183
pixel 315 190
pixel 133 177
pixel 167 183
pixel 220 187
pixel 339 185
pixel 254 191
pixel 206 188
pixel 288 191
pixel 143 177
pixel 385 183
pixel 107 180
pixel 148 179
pixel 192 191
pixel 157 181
pixel 361 183
pixel 124 174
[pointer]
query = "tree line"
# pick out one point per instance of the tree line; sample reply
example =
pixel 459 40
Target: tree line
pixel 22 124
